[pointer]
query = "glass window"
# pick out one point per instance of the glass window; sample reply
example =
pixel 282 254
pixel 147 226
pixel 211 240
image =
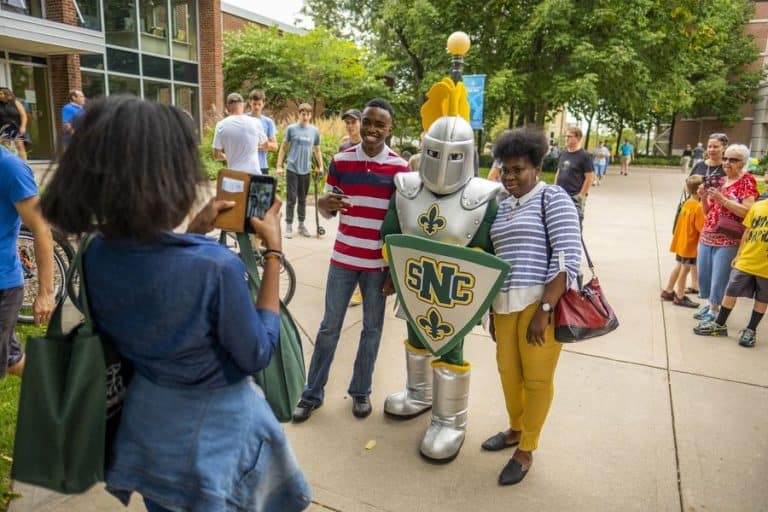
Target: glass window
pixel 28 7
pixel 124 85
pixel 30 85
pixel 153 25
pixel 184 18
pixel 94 84
pixel 92 60
pixel 157 91
pixel 156 67
pixel 120 23
pixel 184 72
pixel 90 10
pixel 122 61
pixel 187 99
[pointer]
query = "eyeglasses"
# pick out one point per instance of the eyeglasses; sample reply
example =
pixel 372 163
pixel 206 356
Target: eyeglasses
pixel 719 136
pixel 731 160
pixel 515 170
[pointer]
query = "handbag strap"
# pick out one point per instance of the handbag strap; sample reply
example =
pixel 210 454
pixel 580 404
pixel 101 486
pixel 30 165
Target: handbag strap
pixel 81 300
pixel 247 255
pixel 549 244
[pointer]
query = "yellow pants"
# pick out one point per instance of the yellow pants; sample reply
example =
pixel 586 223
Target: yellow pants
pixel 527 373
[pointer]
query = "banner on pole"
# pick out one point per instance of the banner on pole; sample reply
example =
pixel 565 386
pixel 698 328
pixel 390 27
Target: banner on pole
pixel 475 85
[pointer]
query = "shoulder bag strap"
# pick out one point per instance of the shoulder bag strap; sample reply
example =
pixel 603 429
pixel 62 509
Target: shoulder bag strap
pixel 549 244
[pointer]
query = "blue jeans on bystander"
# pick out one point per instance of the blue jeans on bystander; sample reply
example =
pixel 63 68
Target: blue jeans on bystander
pixel 714 264
pixel 339 288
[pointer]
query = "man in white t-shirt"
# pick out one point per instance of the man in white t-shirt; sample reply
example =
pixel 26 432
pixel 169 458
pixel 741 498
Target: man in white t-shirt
pixel 237 138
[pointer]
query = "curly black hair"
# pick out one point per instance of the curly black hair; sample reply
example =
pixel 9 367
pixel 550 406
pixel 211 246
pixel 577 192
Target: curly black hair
pixel 382 104
pixel 529 142
pixel 131 170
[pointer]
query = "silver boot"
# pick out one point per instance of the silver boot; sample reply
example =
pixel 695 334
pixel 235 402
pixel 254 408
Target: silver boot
pixel 416 398
pixel 445 434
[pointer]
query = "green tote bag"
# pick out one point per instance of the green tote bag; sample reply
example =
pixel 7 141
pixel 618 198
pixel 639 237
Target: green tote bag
pixel 67 406
pixel 283 379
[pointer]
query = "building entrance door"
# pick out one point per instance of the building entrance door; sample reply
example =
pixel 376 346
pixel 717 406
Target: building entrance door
pixel 29 82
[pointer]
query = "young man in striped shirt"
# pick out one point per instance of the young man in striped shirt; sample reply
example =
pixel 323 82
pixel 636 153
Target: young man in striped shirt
pixel 359 185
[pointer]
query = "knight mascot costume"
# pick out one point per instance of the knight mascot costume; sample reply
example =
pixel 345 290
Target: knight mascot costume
pixel 436 219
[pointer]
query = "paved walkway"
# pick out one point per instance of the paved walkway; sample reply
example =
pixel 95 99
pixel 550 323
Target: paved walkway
pixel 648 418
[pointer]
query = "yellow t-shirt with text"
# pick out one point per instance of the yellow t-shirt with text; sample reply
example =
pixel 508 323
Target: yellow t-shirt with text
pixel 753 258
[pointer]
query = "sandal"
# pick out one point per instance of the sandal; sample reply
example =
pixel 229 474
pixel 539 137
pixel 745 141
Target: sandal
pixel 691 290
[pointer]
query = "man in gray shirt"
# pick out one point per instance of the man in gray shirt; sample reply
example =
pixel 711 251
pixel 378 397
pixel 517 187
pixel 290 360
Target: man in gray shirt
pixel 302 140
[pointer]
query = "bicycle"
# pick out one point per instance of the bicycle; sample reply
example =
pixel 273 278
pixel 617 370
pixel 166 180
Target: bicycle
pixel 63 253
pixel 287 273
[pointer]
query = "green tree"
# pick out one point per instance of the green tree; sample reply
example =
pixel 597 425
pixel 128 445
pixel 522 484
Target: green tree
pixel 318 68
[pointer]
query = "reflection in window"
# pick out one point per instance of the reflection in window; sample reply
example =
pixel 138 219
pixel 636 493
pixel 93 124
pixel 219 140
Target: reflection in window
pixel 93 84
pixel 120 23
pixel 157 91
pixel 92 60
pixel 187 99
pixel 28 7
pixel 90 13
pixel 153 25
pixel 124 85
pixel 184 18
pixel 122 61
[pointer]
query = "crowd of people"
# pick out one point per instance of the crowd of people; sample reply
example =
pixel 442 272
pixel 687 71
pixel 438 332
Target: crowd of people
pixel 719 239
pixel 204 361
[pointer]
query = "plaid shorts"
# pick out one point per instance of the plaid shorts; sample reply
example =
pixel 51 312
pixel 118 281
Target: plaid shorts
pixel 741 284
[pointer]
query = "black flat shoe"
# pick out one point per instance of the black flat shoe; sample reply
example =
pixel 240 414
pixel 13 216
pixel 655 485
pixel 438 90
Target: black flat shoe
pixel 513 473
pixel 303 410
pixel 361 406
pixel 498 442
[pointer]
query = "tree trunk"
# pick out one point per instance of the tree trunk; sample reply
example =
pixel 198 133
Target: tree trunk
pixel 589 131
pixel 672 131
pixel 618 137
pixel 511 120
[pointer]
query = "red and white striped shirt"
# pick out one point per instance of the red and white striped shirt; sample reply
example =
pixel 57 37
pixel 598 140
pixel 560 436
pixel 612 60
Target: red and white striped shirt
pixel 368 181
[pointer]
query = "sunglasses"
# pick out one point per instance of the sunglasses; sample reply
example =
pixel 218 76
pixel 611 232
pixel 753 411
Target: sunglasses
pixel 731 160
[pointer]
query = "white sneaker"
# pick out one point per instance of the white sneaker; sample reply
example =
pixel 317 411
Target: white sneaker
pixel 303 231
pixel 288 231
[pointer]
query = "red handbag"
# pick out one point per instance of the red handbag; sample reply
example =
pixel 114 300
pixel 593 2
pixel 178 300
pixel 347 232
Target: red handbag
pixel 584 313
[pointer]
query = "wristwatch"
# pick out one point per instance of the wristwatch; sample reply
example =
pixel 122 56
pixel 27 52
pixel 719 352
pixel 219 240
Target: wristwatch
pixel 546 307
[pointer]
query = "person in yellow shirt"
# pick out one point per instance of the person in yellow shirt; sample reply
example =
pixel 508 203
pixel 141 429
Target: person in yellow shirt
pixel 749 278
pixel 685 242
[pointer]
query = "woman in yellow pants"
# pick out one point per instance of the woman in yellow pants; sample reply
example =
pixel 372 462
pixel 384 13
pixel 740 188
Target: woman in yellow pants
pixel 544 260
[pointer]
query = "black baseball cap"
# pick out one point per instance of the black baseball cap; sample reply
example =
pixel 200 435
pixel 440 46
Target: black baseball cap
pixel 353 112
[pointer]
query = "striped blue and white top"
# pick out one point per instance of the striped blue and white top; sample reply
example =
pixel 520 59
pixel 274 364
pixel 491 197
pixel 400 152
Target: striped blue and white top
pixel 519 238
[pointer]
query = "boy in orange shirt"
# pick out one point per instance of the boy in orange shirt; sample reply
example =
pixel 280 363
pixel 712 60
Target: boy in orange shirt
pixel 685 241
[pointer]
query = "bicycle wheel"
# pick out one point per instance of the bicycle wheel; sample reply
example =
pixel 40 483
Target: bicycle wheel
pixel 287 277
pixel 26 248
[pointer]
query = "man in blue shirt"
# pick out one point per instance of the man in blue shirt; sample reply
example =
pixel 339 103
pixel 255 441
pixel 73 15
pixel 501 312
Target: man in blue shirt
pixel 19 202
pixel 256 99
pixel 627 153
pixel 70 113
pixel 302 140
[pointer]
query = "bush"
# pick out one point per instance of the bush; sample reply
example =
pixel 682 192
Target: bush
pixel 656 160
pixel 210 166
pixel 549 164
pixel 486 160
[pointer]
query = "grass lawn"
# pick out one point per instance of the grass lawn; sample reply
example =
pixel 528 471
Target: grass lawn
pixel 9 399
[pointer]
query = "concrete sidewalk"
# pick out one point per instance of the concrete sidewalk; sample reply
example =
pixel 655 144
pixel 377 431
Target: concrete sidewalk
pixel 650 417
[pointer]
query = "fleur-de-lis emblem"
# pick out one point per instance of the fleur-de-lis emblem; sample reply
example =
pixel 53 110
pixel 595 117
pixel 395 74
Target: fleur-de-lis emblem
pixel 432 222
pixel 432 323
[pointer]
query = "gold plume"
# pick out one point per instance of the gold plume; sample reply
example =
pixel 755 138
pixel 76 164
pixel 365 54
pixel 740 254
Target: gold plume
pixel 445 98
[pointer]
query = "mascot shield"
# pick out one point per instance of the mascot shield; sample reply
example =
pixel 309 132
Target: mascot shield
pixel 444 289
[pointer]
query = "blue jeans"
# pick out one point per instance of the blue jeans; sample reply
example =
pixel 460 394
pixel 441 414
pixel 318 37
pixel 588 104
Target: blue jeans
pixel 339 288
pixel 154 507
pixel 714 264
pixel 600 169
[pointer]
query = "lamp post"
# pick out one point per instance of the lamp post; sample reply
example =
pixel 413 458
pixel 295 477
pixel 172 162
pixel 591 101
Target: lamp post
pixel 458 46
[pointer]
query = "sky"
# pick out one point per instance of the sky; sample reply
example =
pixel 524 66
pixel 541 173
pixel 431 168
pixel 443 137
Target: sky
pixel 280 10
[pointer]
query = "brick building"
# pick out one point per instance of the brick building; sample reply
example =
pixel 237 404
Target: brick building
pixel 752 130
pixel 165 50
